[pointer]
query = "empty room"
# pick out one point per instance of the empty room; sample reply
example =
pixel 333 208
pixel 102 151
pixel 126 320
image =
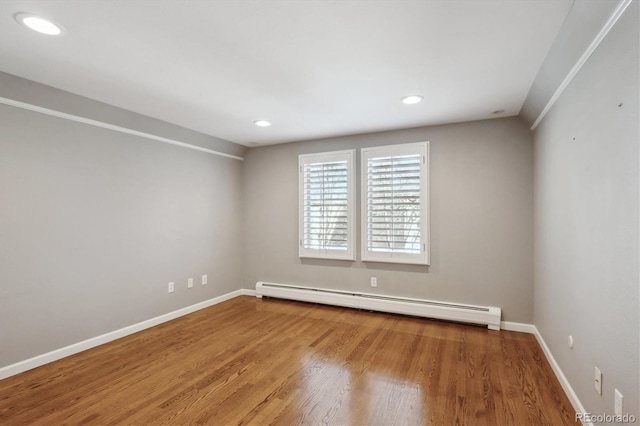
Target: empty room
pixel 319 212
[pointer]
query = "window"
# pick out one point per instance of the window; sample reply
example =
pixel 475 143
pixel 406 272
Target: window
pixel 395 197
pixel 327 213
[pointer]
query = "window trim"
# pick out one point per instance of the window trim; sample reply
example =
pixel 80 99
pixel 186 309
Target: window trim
pixel 349 254
pixel 422 258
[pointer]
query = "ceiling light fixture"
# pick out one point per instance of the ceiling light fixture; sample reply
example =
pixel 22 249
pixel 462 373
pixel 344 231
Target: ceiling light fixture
pixel 262 123
pixel 38 24
pixel 412 99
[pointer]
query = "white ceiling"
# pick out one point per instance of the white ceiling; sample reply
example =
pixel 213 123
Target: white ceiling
pixel 313 68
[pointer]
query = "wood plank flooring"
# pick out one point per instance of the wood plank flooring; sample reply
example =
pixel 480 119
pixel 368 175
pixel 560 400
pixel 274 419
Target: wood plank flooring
pixel 254 361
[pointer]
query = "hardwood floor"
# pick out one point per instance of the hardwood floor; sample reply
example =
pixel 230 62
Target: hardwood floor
pixel 253 361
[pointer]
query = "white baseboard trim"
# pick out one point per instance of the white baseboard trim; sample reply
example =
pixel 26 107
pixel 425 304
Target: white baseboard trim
pixel 39 360
pixel 247 292
pixel 568 390
pixel 517 326
pixel 566 386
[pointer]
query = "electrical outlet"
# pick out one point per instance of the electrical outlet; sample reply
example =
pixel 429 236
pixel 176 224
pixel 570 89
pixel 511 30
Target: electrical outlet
pixel 597 381
pixel 204 280
pixel 190 282
pixel 170 287
pixel 617 405
pixel 374 282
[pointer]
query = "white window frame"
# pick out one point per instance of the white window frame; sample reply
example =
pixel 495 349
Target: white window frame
pixel 423 257
pixel 349 253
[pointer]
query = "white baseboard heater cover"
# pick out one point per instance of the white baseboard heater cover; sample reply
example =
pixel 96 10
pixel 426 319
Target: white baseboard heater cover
pixel 484 315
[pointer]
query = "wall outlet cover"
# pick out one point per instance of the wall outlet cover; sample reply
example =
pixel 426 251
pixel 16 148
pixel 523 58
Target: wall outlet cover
pixel 617 404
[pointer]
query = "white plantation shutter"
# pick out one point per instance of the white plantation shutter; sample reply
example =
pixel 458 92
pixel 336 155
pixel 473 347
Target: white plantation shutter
pixel 395 203
pixel 393 200
pixel 326 205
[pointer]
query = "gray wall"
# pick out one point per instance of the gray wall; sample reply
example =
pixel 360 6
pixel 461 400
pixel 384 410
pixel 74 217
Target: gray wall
pixel 586 223
pixel 583 23
pixel 481 218
pixel 20 89
pixel 94 224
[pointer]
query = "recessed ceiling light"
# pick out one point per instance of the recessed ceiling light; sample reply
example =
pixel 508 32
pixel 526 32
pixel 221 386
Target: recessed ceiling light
pixel 412 99
pixel 39 24
pixel 262 123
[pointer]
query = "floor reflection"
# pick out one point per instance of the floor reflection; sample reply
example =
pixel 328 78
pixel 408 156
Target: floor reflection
pixel 390 397
pixel 334 394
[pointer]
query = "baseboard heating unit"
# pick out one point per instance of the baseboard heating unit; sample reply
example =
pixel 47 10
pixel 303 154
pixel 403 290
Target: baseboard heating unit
pixel 484 315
